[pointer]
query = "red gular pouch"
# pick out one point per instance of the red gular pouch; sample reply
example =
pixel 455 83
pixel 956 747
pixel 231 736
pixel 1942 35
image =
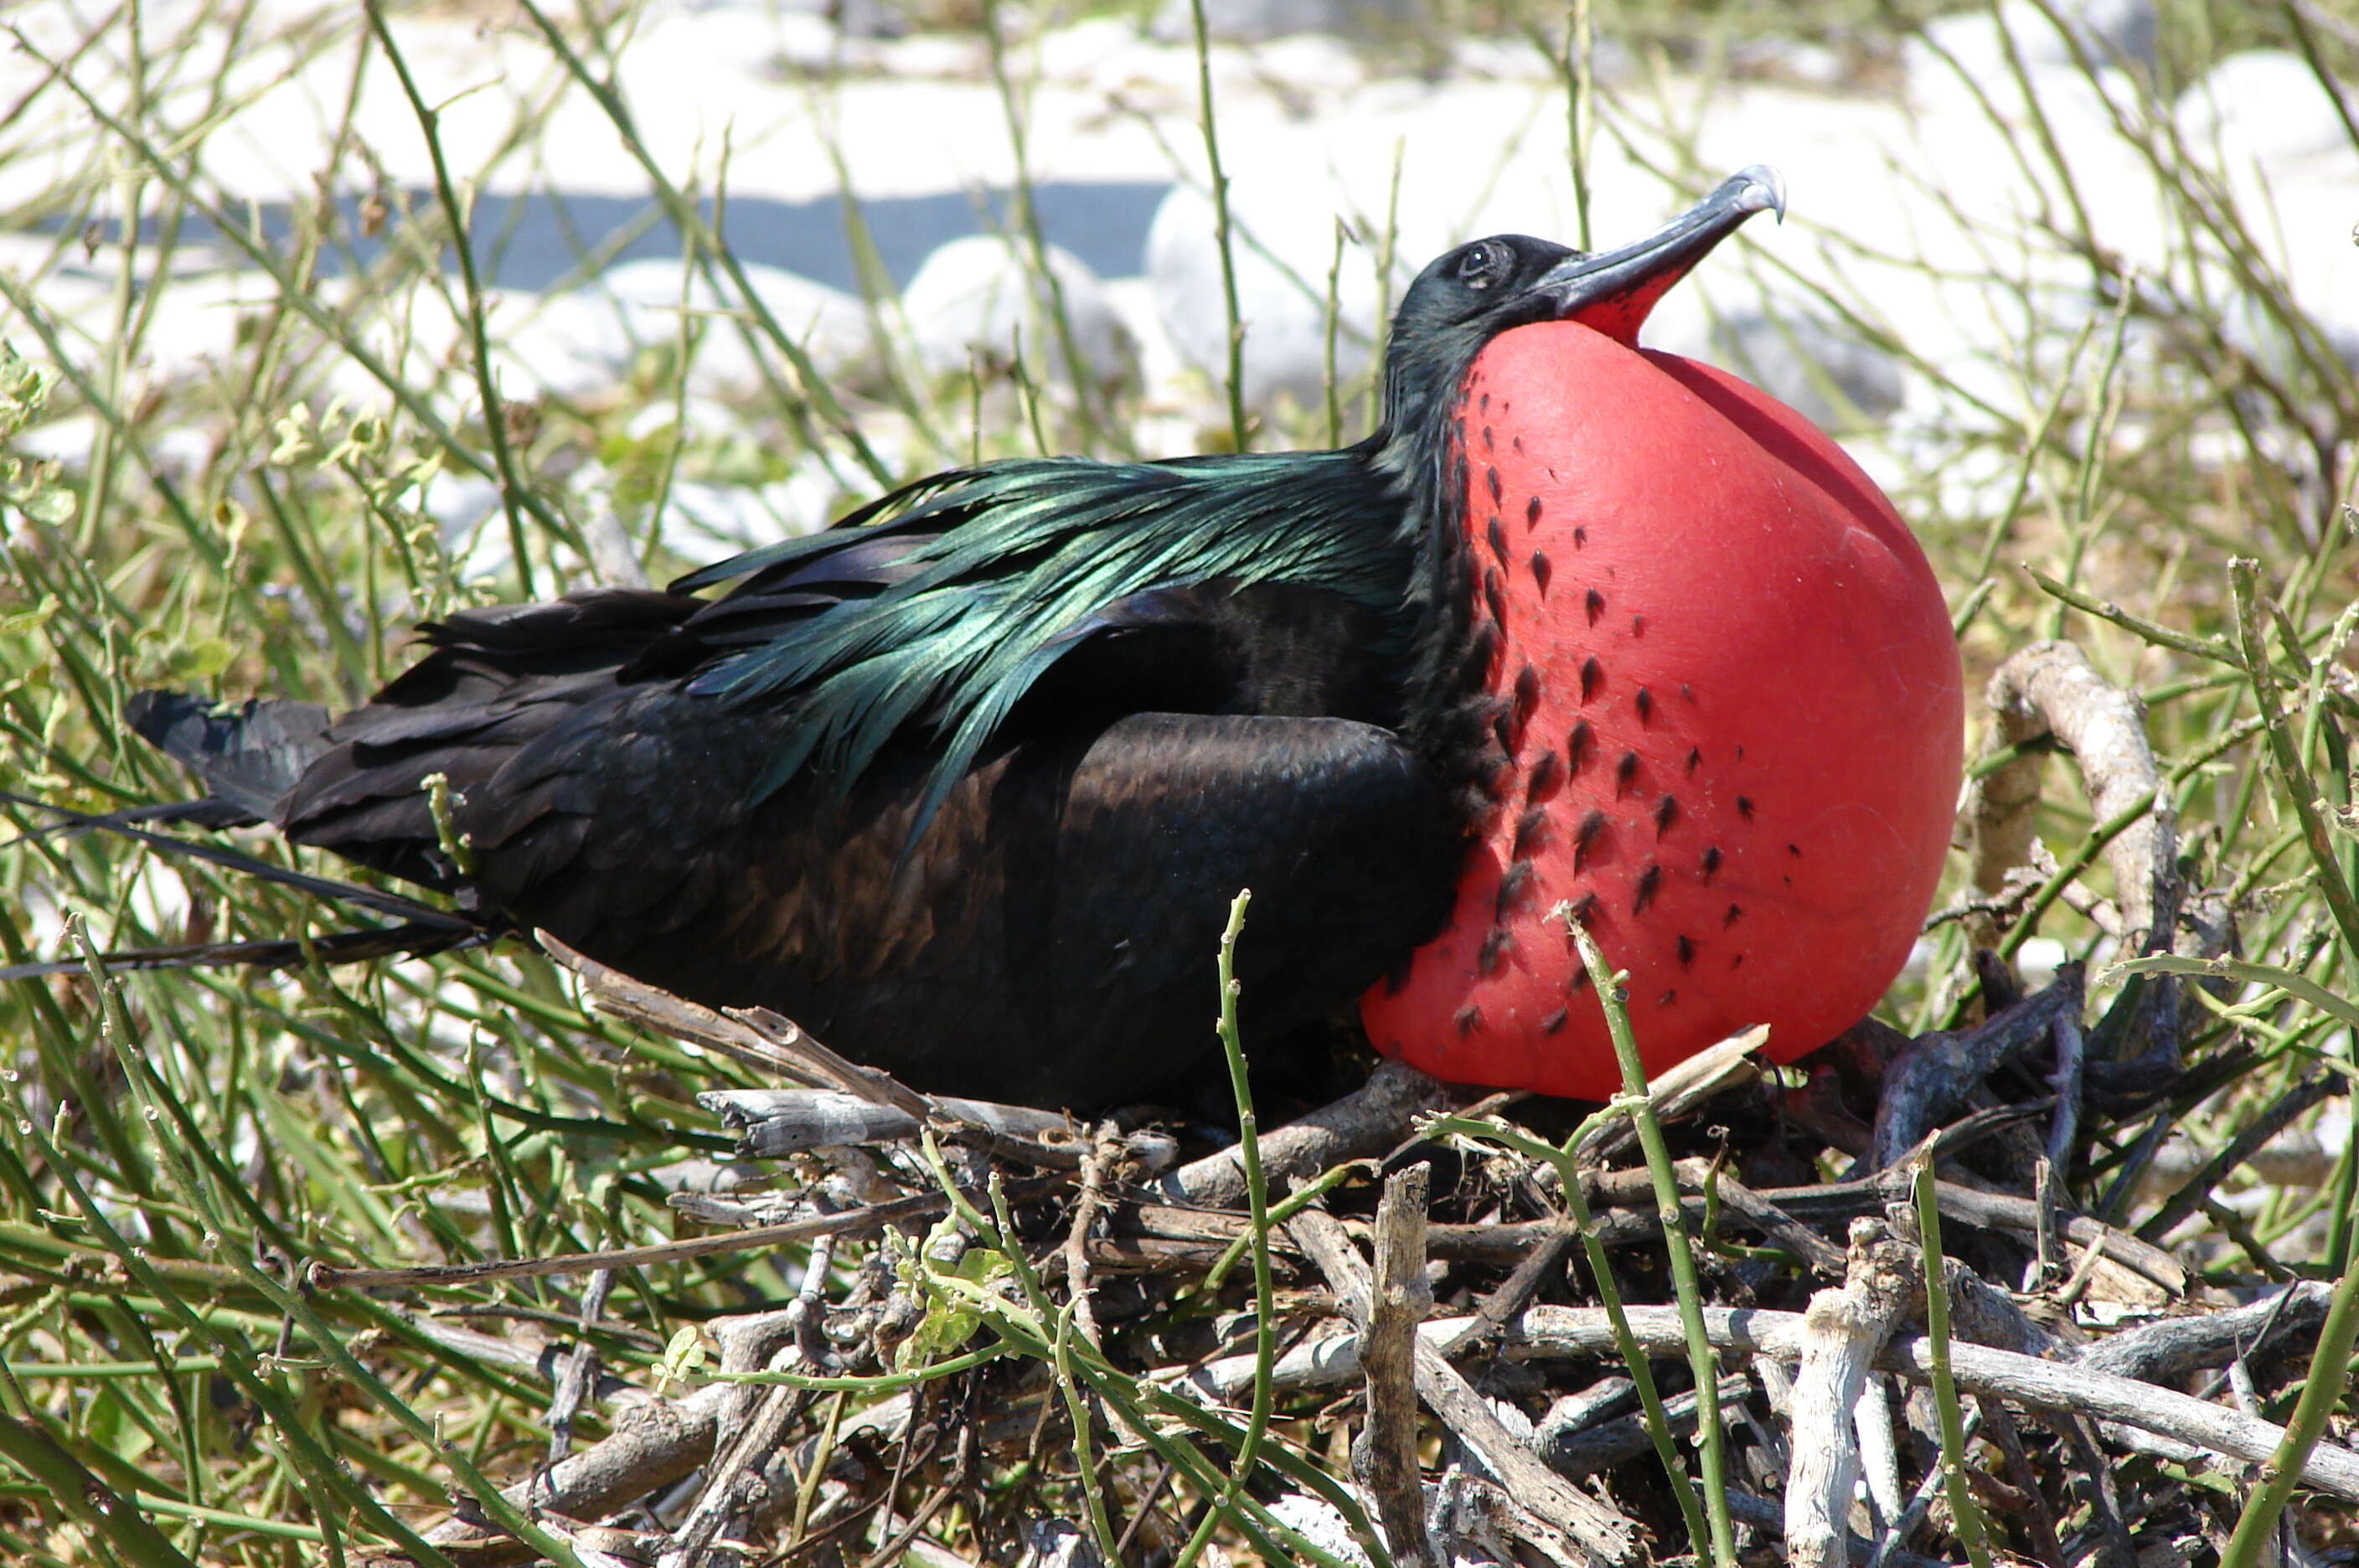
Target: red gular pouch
pixel 1732 724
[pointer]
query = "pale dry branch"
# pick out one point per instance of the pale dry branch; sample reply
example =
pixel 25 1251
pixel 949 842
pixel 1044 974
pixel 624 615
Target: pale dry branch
pixel 1369 1120
pixel 2050 690
pixel 1545 1333
pixel 1842 1330
pixel 1384 1457
pixel 1563 1523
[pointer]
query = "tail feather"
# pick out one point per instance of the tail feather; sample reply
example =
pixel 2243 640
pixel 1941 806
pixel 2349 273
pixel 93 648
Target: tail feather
pixel 412 939
pixel 249 756
pixel 205 813
pixel 383 902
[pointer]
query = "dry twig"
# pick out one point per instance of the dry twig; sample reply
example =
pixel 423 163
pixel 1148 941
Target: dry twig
pixel 1384 1456
pixel 1568 1525
pixel 1843 1330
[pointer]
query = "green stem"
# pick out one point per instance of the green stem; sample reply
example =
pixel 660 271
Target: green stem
pixel 2328 1381
pixel 1221 235
pixel 1702 1360
pixel 495 424
pixel 1945 1386
pixel 1257 1201
pixel 2244 581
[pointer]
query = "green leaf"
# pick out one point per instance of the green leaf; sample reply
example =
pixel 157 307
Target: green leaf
pixel 684 1354
pixel 954 1315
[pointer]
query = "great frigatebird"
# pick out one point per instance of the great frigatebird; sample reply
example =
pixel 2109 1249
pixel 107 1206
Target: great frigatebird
pixel 965 783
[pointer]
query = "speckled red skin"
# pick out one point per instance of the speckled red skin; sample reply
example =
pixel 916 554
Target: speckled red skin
pixel 1772 657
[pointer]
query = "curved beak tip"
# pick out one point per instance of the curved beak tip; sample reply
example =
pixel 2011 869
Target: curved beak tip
pixel 1761 190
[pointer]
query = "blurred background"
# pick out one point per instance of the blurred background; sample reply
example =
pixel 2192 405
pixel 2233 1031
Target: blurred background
pixel 1999 217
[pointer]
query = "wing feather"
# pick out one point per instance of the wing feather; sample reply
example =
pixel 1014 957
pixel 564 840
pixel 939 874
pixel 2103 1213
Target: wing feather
pixel 940 606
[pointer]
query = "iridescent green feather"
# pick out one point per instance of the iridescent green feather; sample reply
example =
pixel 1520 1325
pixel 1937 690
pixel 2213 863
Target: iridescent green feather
pixel 1004 569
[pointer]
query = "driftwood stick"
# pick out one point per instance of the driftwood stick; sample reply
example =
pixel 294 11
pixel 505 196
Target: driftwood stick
pixel 772 1123
pixel 651 1447
pixel 1384 1458
pixel 2050 690
pixel 1879 1459
pixel 1543 1258
pixel 2172 1347
pixel 1369 1120
pixel 1736 1201
pixel 1843 1331
pixel 1623 1203
pixel 875 1216
pixel 2064 1127
pixel 523 1351
pixel 765 1039
pixel 578 1368
pixel 1571 1414
pixel 1990 1211
pixel 1575 1451
pixel 1763 1514
pixel 1548 1332
pixel 1096 1167
pixel 749 1435
pixel 1551 1515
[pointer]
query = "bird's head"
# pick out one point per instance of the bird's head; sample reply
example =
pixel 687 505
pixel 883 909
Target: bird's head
pixel 1691 680
pixel 1470 295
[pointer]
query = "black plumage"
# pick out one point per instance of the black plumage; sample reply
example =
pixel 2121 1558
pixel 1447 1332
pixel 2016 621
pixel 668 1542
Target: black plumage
pixel 965 784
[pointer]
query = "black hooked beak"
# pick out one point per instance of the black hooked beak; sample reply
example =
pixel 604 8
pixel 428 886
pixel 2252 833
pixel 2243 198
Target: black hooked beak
pixel 1612 290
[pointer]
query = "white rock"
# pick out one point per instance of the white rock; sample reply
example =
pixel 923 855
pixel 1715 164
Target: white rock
pixel 809 42
pixel 203 330
pixel 830 325
pixel 860 18
pixel 2265 335
pixel 1511 60
pixel 703 518
pixel 160 900
pixel 464 507
pixel 181 453
pixel 1087 51
pixel 568 345
pixel 980 299
pixel 933 56
pixel 2262 106
pixel 1283 252
pixel 1160 368
pixel 579 341
pixel 1306 67
pixel 2117 33
pixel 67 442
pixel 699 418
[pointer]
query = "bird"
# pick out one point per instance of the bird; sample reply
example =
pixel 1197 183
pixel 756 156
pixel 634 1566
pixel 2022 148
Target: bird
pixel 965 783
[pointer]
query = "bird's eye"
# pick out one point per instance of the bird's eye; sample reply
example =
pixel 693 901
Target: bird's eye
pixel 1480 265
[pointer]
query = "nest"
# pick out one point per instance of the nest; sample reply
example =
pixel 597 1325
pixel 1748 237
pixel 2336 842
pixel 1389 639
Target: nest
pixel 1878 1316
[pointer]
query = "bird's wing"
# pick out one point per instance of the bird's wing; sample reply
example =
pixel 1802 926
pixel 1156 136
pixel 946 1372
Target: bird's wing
pixel 936 610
